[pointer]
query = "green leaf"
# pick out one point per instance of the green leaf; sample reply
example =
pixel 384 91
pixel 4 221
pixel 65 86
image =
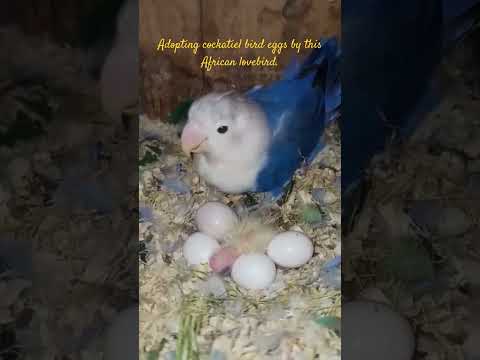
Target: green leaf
pixel 187 347
pixel 311 214
pixel 155 149
pixel 153 355
pixel 148 158
pixel 181 111
pixel 331 322
pixel 249 200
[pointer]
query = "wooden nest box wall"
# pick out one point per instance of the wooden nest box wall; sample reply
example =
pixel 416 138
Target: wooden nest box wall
pixel 168 79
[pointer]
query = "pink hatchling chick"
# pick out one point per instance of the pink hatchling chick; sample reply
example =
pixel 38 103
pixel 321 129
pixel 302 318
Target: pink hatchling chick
pixel 223 259
pixel 249 235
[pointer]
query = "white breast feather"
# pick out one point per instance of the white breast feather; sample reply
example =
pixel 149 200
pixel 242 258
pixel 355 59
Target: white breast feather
pixel 231 177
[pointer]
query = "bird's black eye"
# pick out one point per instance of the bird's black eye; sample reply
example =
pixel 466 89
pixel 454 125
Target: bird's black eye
pixel 222 129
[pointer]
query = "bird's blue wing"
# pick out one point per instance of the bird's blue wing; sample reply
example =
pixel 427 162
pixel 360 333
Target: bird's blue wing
pixel 298 106
pixel 326 59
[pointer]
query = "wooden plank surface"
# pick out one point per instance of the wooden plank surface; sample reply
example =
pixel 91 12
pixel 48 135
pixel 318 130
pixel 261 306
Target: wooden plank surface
pixel 169 78
pixel 270 20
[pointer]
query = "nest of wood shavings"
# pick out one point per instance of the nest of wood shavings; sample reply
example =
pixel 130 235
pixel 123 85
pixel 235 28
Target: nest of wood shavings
pixel 190 313
pixel 413 242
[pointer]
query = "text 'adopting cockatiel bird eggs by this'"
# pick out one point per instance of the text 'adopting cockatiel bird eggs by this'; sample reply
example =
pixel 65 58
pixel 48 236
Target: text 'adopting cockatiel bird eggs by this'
pixel 215 219
pixel 290 249
pixel 254 271
pixel 199 248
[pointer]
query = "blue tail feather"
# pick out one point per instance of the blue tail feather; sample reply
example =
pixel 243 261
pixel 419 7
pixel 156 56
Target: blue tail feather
pixel 327 57
pixel 298 107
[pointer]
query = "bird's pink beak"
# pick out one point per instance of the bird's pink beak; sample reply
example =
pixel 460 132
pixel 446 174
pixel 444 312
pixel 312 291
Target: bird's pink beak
pixel 193 139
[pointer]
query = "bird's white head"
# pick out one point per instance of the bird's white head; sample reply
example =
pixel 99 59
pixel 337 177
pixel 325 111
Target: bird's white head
pixel 225 126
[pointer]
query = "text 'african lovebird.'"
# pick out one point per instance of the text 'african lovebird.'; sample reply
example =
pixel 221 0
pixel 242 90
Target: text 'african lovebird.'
pixel 255 141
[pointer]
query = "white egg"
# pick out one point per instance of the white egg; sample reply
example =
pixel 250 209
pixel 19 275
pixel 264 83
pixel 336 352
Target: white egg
pixel 376 332
pixel 290 249
pixel 121 340
pixel 215 219
pixel 253 271
pixel 199 248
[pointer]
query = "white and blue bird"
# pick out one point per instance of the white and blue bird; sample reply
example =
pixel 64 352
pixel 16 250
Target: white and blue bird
pixel 255 141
